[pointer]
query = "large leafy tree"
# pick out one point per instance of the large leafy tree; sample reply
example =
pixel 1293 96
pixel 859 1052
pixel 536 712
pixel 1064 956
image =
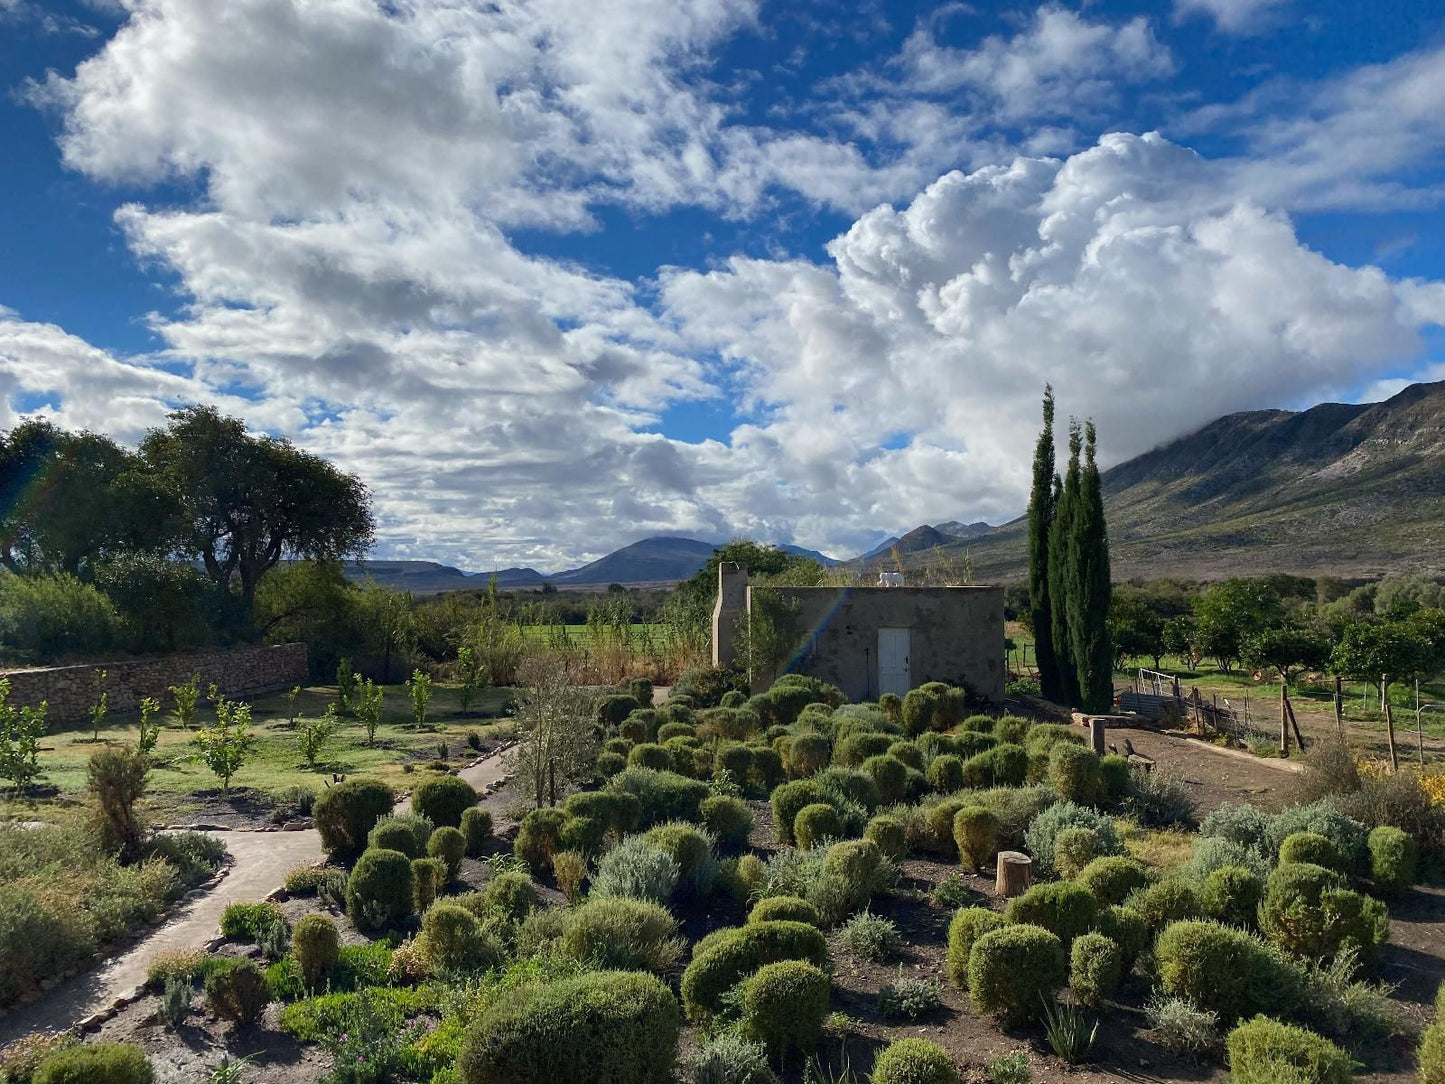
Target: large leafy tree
pixel 1041 518
pixel 1230 613
pixel 246 502
pixel 1384 652
pixel 1287 650
pixel 1089 586
pixel 1061 600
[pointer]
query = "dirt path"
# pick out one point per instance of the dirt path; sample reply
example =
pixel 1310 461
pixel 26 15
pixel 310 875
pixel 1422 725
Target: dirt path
pixel 259 863
pixel 1213 775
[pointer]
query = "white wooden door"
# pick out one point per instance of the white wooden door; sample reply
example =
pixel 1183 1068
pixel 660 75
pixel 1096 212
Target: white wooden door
pixel 893 662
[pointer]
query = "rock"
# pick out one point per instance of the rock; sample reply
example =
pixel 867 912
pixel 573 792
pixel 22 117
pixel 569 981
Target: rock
pixel 298 826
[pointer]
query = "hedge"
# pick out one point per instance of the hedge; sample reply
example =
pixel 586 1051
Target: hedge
pixel 347 812
pixel 723 958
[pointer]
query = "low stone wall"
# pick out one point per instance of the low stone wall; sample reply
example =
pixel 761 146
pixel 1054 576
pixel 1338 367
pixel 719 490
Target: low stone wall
pixel 238 672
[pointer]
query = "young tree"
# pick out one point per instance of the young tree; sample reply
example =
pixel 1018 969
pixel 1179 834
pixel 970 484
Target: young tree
pixel 186 697
pixel 345 686
pixel 469 670
pixel 387 618
pixel 20 732
pixel 150 730
pixel 117 777
pixel 1061 602
pixel 312 735
pixel 1090 587
pixel 99 709
pixel 369 697
pixel 418 687
pixel 558 739
pixel 1041 518
pixel 225 747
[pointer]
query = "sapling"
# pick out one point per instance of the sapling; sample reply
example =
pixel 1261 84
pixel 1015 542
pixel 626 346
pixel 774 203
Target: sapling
pixel 225 747
pixel 345 687
pixel 313 734
pixel 291 700
pixel 369 697
pixel 186 697
pixel 20 732
pixel 150 730
pixel 418 687
pixel 99 708
pixel 469 669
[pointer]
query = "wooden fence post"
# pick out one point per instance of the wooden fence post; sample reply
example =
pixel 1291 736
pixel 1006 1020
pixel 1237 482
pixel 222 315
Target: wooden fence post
pixel 1283 722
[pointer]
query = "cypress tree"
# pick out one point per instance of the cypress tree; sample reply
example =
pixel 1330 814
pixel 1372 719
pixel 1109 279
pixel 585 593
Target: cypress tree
pixel 1061 599
pixel 1089 590
pixel 1041 518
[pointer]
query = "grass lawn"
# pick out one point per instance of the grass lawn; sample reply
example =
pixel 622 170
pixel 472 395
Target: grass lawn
pixel 180 783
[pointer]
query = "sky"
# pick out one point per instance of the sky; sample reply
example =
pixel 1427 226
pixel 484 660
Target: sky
pixel 554 275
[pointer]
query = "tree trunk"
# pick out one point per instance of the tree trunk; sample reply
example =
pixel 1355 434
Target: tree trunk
pixel 1015 873
pixel 1283 724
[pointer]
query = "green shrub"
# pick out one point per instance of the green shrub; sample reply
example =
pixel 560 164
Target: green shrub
pixel 450 846
pixel 869 937
pixel 690 848
pixel 807 754
pixel 477 828
pixel 1126 928
pixel 610 764
pixel 661 795
pixel 1239 823
pixel 938 826
pixel 784 909
pixel 1164 902
pixel 1004 765
pixel 767 771
pixel 511 894
pixel 1112 878
pixel 1044 829
pixel 1348 835
pixel 379 891
pixel 977 724
pixel 1114 776
pixel 249 921
pixel 728 1058
pixel 1043 737
pixel 816 823
pixel 612 710
pixel 1013 729
pixel 1265 1051
pixel 734 758
pixel 910 755
pixel 1225 970
pixel 316 946
pixel 428 877
pixel 890 775
pixel 650 755
pixel 914 1061
pixel 1075 848
pixel 1393 857
pixel 1307 912
pixel 95 1063
pixel 851 750
pixel 1063 908
pixel 453 939
pixel 1096 965
pixel 346 813
pixel 1017 808
pixel 1074 773
pixel 539 837
pixel 621 934
pixel 668 731
pixel 728 819
pixel 1013 969
pixel 967 926
pixel 945 775
pixel 1431 1054
pixel 238 992
pixel 723 958
pixel 620 1025
pixel 407 834
pixel 783 1007
pixel 1231 895
pixel 842 787
pixel 975 833
pixel 635 869
pixel 1313 848
pixel 888 834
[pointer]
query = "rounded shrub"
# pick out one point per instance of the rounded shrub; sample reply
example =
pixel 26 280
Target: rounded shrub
pixel 428 876
pixel 1231 895
pixel 511 894
pixel 785 909
pixel 637 870
pixel 1064 908
pixel 851 784
pixel 1075 848
pixel 816 823
pixel 851 750
pixel 95 1063
pixel 1313 848
pixel 1074 773
pixel 347 812
pixel 615 810
pixel 1224 970
pixel 1265 1051
pixel 621 1025
pixel 316 946
pixel 609 764
pixel 539 837
pixel 767 771
pixel 685 844
pixel 443 800
pixel 1096 964
pixel 1164 902
pixel 938 825
pixel 379 891
pixel 1013 969
pixel 237 991
pixel 453 939
pixel 1113 776
pixel 1393 858
pixel 408 835
pixel 914 1061
pixel 1127 929
pixel 783 1006
pixel 668 731
pixel 890 775
pixel 450 846
pixel 728 819
pixel 807 754
pixel 788 801
pixel 945 775
pixel 1307 911
pixel 734 758
pixel 477 828
pixel 975 833
pixel 889 836
pixel 661 795
pixel 650 755
pixel 1013 729
pixel 621 934
pixel 1112 878
pixel 1004 765
pixel 967 926
pixel 977 724
pixel 1431 1053
pixel 907 752
pixel 723 958
pixel 613 710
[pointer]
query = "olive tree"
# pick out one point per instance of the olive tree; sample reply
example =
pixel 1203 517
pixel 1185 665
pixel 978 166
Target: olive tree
pixel 557 720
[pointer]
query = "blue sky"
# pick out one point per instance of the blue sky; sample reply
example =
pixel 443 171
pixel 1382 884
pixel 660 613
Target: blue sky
pixel 555 276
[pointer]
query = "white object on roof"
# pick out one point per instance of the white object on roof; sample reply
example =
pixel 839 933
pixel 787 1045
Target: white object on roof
pixel 890 579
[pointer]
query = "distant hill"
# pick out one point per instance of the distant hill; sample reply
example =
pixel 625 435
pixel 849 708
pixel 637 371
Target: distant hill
pixel 963 530
pixel 1351 490
pixel 430 578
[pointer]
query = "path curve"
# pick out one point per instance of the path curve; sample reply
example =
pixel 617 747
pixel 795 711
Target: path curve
pixel 259 864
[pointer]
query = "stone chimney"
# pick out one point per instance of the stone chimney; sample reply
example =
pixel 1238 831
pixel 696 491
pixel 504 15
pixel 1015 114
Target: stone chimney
pixel 732 593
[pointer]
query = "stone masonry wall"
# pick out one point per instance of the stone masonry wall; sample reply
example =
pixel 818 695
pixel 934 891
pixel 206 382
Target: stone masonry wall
pixel 238 672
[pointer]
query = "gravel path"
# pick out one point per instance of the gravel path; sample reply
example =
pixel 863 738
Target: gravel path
pixel 259 863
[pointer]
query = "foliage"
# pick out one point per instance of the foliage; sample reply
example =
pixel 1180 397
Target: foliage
pixel 623 1026
pixel 379 891
pixel 1010 1068
pixel 186 697
pixel 1348 835
pixel 1044 830
pixel 1067 1032
pixel 443 801
pixel 1313 848
pixel 976 832
pixel 783 1005
pixel 635 869
pixel 225 747
pixel 558 740
pixel 1265 1051
pixel 407 833
pixel 1179 1027
pixel 450 846
pixel 869 937
pixel 117 777
pixel 1431 1053
pixel 175 1002
pixel 1075 848
pixel 1042 508
pixel 1063 908
pixel 1240 823
pixel 1224 970
pixel 1231 895
pixel 1073 772
pixel 315 733
pixel 785 909
pixel 316 946
pixel 95 1063
pixel 728 819
pixel 1307 911
pixel 1011 969
pixel 909 998
pixel 249 921
pixel 888 834
pixel 20 732
pixel 816 823
pixel 1095 967
pixel 237 992
pixel 1112 878
pixel 1166 901
pixel 914 1061
pixel 51 616
pixel 1393 858
pixel 419 691
pixel 724 957
pixel 346 813
pixel 621 934
pixel 1066 501
pixel 454 940
pixel 967 926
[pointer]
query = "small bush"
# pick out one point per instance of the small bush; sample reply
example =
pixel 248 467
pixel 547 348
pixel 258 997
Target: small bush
pixel 1114 775
pixel 728 819
pixel 1431 1054
pixel 945 774
pixel 1095 968
pixel 785 909
pixel 408 834
pixel 428 877
pixel 911 755
pixel 539 837
pixel 620 1025
pixel 1010 1069
pixel 1224 970
pixel 477 828
pixel 1393 857
pixel 914 1061
pixel 975 833
pixel 511 895
pixel 1004 765
pixel 1074 773
pixel 907 998
pixel 1239 823
pixel 728 1058
pixel 890 775
pixel 1165 902
pixel 1044 830
pixel 1112 878
pixel 450 846
pixel 724 957
pixel 1012 969
pixel 1126 928
pixel 249 921
pixel 1313 848
pixel 869 937
pixel 95 1063
pixel 637 870
pixel 967 926
pixel 622 935
pixel 1349 836
pixel 889 836
pixel 316 946
pixel 1063 908
pixel 1307 911
pixel 237 992
pixel 650 755
pixel 1179 1027
pixel 661 795
pixel 175 1004
pixel 379 891
pixel 346 813
pixel 1231 895
pixel 443 801
pixel 783 1006
pixel 453 940
pixel 1017 808
pixel 816 823
pixel 1075 848
pixel 1265 1051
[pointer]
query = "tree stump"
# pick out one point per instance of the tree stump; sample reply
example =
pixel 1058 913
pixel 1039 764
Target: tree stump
pixel 1014 874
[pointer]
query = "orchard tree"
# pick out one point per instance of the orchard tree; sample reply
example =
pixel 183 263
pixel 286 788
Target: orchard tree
pixel 245 502
pixel 1179 639
pixel 1383 652
pixel 1287 649
pixel 1136 629
pixel 1231 612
